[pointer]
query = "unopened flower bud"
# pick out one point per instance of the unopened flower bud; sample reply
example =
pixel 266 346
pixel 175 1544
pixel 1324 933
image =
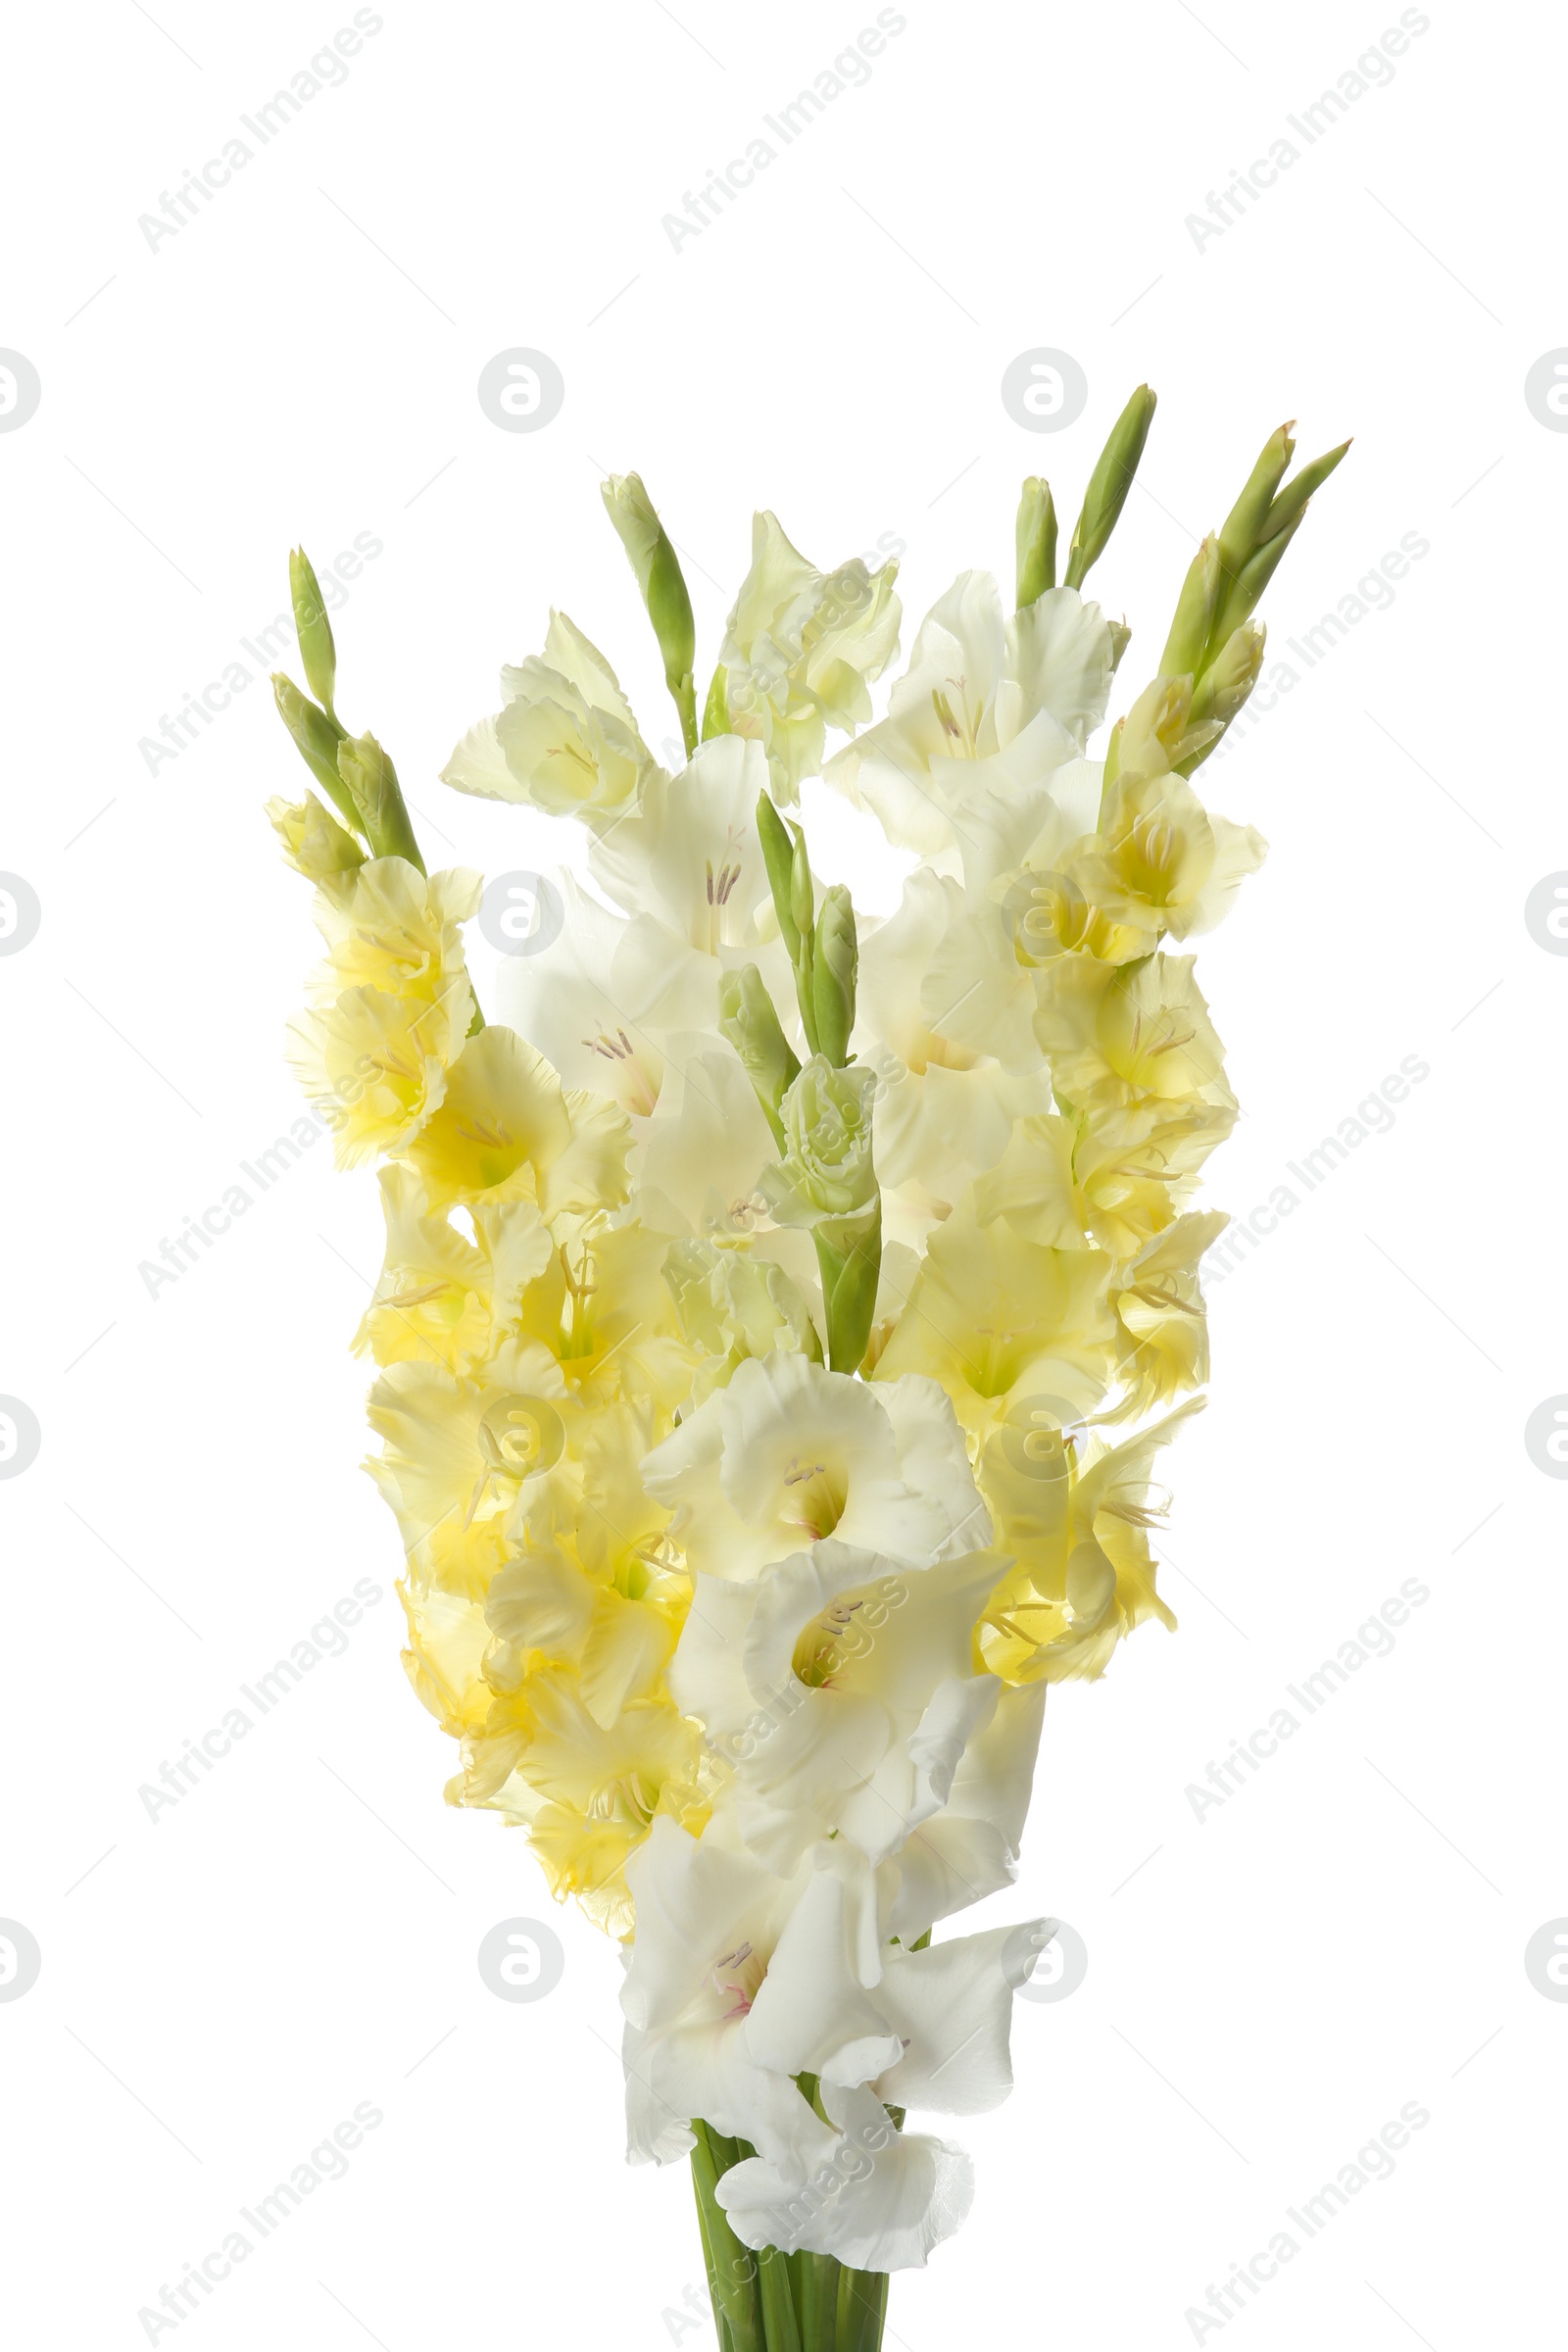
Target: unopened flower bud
pixel 371 783
pixel 664 588
pixel 1035 541
pixel 313 841
pixel 318 652
pixel 1225 687
pixel 834 967
pixel 315 738
pixel 1109 484
pixel 747 1018
pixel 1196 609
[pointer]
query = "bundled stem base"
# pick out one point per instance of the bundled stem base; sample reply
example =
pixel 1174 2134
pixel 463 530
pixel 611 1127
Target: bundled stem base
pixel 773 2302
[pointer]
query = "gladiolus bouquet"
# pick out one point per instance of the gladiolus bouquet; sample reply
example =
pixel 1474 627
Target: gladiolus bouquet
pixel 783 1311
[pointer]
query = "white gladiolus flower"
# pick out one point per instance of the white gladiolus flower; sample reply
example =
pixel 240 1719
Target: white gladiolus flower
pixel 740 1980
pixel 789 1453
pixel 799 649
pixel 841 1689
pixel 979 722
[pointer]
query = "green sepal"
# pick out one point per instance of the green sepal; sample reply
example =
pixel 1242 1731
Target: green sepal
pixel 715 711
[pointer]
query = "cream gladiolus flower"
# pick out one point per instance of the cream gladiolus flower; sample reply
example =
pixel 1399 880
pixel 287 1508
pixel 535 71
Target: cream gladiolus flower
pixel 313 841
pixel 984 716
pixel 1130 1039
pixel 776 1305
pixel 800 649
pixel 788 1454
pixel 1161 862
pixel 565 739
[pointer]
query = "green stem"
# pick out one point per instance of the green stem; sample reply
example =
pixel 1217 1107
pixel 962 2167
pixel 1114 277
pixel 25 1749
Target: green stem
pixel 726 2339
pixel 779 2324
pixel 684 697
pixel 773 2302
pixel 862 2308
pixel 820 2302
pixel 733 2268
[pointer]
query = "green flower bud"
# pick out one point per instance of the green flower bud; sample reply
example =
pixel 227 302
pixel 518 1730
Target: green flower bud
pixel 1109 484
pixel 1222 690
pixel 1273 520
pixel 1295 494
pixel 849 1292
pixel 1226 684
pixel 313 841
pixel 1196 609
pixel 835 964
pixel 746 1017
pixel 1035 539
pixel 371 783
pixel 1244 524
pixel 315 738
pixel 826 1180
pixel 318 652
pixel 1242 593
pixel 664 589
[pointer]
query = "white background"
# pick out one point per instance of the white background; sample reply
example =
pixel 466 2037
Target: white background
pixel 1343 1935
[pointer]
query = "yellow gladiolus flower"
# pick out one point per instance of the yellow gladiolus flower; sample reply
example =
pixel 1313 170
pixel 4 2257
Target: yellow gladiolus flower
pixel 603 1790
pixel 1062 1185
pixel 456 1452
pixel 374 1064
pixel 508 1131
pixel 1047 916
pixel 1161 862
pixel 448 1637
pixel 1134 1037
pixel 1075 1517
pixel 388 926
pixel 1163 1332
pixel 996 1318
